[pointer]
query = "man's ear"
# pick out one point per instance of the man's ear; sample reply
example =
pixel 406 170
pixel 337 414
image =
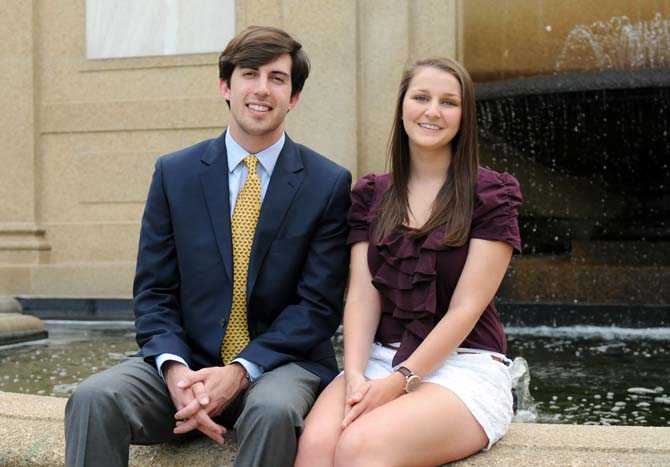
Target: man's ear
pixel 294 100
pixel 224 89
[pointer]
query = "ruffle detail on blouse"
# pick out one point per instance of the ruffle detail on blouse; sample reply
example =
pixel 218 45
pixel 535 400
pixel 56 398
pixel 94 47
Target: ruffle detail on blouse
pixel 407 279
pixel 407 276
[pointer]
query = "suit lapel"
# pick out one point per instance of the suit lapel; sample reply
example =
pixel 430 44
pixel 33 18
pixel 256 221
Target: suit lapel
pixel 214 181
pixel 287 177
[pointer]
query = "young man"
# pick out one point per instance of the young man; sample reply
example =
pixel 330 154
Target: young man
pixel 241 269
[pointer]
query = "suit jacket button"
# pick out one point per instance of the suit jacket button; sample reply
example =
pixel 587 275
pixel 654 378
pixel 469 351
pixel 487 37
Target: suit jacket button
pixel 223 322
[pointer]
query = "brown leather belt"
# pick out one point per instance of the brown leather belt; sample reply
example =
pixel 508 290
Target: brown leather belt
pixel 494 357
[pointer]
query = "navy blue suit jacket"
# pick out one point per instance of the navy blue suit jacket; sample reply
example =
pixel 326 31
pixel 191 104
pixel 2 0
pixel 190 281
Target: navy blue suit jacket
pixel 297 269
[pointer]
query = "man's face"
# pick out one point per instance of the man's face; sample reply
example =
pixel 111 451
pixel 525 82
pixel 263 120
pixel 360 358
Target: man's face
pixel 259 101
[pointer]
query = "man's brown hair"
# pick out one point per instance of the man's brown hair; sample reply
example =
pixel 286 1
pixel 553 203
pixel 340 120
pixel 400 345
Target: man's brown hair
pixel 258 45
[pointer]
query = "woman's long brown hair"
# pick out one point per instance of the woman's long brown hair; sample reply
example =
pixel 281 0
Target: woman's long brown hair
pixel 454 204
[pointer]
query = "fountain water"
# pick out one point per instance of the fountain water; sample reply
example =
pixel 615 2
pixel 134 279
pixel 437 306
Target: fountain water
pixel 591 149
pixel 617 44
pixel 524 405
pixel 591 146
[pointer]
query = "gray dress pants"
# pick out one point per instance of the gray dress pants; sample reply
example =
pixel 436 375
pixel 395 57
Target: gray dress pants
pixel 130 404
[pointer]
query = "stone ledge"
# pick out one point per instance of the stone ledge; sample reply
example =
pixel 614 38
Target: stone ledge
pixel 31 429
pixel 9 305
pixel 17 327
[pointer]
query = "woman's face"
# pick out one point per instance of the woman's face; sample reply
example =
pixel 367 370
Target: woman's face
pixel 431 109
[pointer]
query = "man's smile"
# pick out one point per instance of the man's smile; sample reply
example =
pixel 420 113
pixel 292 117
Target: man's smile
pixel 259 107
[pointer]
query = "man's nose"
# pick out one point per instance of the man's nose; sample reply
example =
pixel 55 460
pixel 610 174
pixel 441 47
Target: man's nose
pixel 262 86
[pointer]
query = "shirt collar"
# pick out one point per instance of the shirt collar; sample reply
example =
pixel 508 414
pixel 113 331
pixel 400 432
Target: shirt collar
pixel 267 157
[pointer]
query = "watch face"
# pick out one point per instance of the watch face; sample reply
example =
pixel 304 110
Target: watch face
pixel 412 383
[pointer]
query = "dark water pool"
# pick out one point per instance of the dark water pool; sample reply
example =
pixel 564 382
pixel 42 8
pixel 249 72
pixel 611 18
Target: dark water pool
pixel 594 375
pixel 73 352
pixel 578 375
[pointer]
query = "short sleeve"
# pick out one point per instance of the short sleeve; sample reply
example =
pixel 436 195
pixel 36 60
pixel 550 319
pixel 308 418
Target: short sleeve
pixel 496 215
pixel 359 214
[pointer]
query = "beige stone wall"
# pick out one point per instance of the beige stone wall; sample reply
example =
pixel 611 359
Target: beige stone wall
pixel 80 136
pixel 21 241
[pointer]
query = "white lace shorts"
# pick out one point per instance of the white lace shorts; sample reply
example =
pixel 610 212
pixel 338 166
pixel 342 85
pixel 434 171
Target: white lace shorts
pixel 482 383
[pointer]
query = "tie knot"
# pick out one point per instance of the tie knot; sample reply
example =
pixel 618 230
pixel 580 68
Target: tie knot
pixel 250 161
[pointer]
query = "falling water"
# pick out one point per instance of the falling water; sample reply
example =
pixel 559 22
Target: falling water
pixel 525 404
pixel 590 144
pixel 617 44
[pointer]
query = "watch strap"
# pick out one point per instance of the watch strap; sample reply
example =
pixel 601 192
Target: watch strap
pixel 406 372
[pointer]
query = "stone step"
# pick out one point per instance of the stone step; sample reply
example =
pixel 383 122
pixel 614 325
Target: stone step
pixel 621 252
pixel 16 327
pixel 31 428
pixel 563 280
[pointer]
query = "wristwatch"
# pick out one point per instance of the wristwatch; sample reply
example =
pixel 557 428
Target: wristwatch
pixel 412 381
pixel 247 376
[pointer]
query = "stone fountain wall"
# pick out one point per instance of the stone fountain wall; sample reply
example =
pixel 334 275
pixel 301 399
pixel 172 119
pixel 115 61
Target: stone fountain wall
pixel 574 99
pixel 16 327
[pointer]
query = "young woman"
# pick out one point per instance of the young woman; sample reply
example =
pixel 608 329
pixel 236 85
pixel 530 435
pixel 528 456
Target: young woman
pixel 425 374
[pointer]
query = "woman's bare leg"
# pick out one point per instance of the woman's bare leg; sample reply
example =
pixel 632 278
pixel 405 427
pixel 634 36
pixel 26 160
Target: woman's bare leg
pixel 429 427
pixel 316 446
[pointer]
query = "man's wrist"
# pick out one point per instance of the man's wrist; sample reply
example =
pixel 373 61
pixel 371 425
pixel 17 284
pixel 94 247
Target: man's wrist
pixel 170 365
pixel 244 374
pixel 163 358
pixel 253 369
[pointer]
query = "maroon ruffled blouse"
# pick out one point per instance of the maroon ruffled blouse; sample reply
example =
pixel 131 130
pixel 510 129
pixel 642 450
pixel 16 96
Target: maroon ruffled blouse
pixel 416 277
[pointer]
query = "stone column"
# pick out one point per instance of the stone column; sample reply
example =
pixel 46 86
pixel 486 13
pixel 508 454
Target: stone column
pixel 392 35
pixel 22 242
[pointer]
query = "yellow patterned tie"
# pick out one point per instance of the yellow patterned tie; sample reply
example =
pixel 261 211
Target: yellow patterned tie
pixel 245 218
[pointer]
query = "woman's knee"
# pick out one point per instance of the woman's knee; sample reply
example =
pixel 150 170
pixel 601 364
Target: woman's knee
pixel 357 447
pixel 317 441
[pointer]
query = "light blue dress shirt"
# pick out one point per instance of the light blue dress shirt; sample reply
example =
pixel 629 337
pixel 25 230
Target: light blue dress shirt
pixel 237 175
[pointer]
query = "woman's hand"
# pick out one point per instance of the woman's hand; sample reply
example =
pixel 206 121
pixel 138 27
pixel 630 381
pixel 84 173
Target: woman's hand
pixel 369 395
pixel 353 381
pixel 354 384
